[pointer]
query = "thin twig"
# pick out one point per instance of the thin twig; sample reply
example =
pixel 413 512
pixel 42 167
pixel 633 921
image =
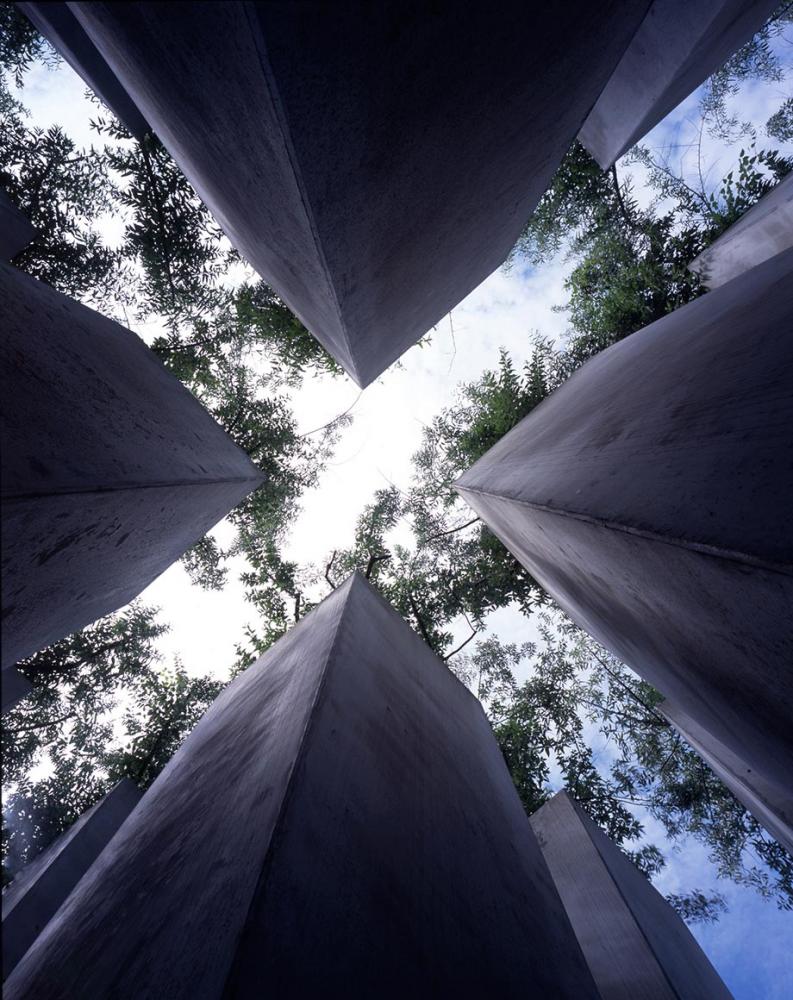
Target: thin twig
pixel 454 344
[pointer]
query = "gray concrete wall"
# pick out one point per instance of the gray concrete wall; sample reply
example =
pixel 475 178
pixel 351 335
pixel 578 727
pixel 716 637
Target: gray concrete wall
pixel 769 803
pixel 678 45
pixel 373 162
pixel 636 946
pixel 39 890
pixel 15 230
pixel 340 823
pixel 764 231
pixel 64 32
pixel 111 468
pixel 650 496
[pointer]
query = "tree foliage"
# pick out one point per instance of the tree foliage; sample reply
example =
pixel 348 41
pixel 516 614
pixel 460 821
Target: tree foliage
pixel 757 59
pixel 102 707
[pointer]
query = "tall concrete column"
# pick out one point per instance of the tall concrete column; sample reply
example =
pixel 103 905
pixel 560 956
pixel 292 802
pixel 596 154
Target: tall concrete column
pixel 764 231
pixel 38 891
pixel 340 823
pixel 373 162
pixel 678 46
pixel 15 230
pixel 650 495
pixel 636 946
pixel 111 468
pixel 770 804
pixel 66 35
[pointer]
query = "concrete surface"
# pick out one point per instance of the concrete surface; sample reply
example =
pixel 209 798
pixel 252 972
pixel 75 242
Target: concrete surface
pixel 340 823
pixel 764 231
pixel 679 45
pixel 111 468
pixel 38 891
pixel 15 230
pixel 14 686
pixel 636 946
pixel 769 803
pixel 650 495
pixel 373 162
pixel 63 31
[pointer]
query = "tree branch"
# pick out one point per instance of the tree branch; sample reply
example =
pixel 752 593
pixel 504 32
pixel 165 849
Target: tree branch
pixel 13 730
pixel 462 644
pixel 328 568
pixel 420 620
pixel 451 531
pixel 618 192
pixel 375 559
pixel 630 691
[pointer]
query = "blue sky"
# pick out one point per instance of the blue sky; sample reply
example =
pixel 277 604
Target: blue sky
pixel 752 945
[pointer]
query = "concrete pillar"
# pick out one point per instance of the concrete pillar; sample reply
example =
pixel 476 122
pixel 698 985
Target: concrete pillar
pixel 340 823
pixel 39 890
pixel 769 803
pixel 111 468
pixel 765 230
pixel 66 35
pixel 15 687
pixel 636 946
pixel 373 162
pixel 15 230
pixel 650 495
pixel 678 46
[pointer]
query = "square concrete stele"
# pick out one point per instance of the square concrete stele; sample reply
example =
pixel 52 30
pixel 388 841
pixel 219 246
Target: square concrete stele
pixel 769 803
pixel 37 892
pixel 636 946
pixel 341 823
pixel 764 231
pixel 65 33
pixel 111 467
pixel 678 45
pixel 373 162
pixel 15 230
pixel 650 495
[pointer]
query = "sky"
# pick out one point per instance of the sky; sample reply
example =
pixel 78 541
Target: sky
pixel 752 945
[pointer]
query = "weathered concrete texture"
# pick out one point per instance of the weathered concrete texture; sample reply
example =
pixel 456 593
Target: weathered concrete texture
pixel 15 687
pixel 679 44
pixel 769 803
pixel 15 230
pixel 111 468
pixel 36 894
pixel 340 823
pixel 65 33
pixel 651 496
pixel 373 162
pixel 764 231
pixel 635 944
